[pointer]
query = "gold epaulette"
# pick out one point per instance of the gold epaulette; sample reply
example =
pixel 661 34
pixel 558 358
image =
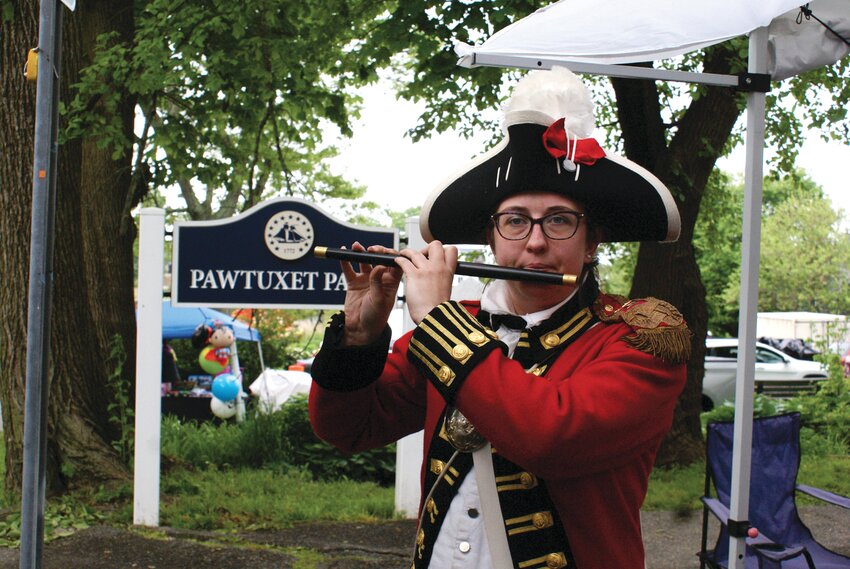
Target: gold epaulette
pixel 659 329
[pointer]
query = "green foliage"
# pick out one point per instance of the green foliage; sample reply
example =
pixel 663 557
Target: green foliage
pixel 762 407
pixel 255 499
pixel 676 488
pixel 827 414
pixel 798 223
pixel 198 445
pixel 815 100
pixel 7 11
pixel 235 98
pixel 717 246
pixel 120 408
pixel 805 258
pixel 618 268
pixel 62 516
pixel 282 340
pixel 322 460
pixel 283 437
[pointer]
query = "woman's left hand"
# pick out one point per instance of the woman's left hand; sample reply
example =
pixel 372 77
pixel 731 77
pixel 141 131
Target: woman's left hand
pixel 428 277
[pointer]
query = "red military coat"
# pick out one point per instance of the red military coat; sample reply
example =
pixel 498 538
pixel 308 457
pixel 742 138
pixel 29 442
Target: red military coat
pixel 590 428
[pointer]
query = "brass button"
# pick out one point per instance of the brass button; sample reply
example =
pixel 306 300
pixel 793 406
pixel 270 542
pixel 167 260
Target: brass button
pixel 437 466
pixel 460 351
pixel 445 375
pixel 477 338
pixel 420 537
pixel 492 334
pixel 556 560
pixel 431 508
pixel 551 340
pixel 541 520
pixel 527 480
pixel 609 308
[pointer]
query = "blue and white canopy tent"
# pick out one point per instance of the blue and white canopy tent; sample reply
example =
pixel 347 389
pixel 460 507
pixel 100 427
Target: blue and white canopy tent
pixel 785 39
pixel 181 322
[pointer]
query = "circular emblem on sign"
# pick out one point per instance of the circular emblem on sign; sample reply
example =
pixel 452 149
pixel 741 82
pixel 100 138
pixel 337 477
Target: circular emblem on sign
pixel 289 235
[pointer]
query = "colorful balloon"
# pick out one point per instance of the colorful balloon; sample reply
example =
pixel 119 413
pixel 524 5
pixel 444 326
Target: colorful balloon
pixel 212 363
pixel 225 387
pixel 223 409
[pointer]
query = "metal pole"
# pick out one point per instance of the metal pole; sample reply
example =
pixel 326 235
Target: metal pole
pixel 743 435
pixel 40 284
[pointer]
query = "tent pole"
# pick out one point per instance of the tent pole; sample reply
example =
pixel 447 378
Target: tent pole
pixel 750 249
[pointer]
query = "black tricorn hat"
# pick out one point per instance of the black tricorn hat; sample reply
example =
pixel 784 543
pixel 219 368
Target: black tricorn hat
pixel 548 149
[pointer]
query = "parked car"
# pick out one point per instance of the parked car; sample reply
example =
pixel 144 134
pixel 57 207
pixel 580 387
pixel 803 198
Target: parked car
pixel 777 374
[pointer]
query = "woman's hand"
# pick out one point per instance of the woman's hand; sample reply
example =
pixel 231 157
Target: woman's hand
pixel 428 277
pixel 370 297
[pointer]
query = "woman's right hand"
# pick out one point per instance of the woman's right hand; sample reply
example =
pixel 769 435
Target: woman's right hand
pixel 370 297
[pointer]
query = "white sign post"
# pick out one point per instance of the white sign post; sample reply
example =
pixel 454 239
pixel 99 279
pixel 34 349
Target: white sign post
pixel 409 450
pixel 148 367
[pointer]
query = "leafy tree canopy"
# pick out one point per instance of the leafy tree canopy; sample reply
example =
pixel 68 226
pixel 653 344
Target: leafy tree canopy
pixel 805 260
pixel 237 101
pixel 235 98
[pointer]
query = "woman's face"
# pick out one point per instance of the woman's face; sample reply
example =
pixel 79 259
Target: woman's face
pixel 539 252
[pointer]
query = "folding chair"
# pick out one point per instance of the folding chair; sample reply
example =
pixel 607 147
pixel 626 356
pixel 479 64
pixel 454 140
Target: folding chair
pixel 783 542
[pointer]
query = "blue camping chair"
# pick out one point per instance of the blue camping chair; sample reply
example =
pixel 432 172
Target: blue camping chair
pixel 784 542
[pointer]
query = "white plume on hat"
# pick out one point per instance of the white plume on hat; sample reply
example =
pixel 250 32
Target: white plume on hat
pixel 555 93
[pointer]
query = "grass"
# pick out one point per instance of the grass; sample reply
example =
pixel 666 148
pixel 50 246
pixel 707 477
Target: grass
pixel 243 498
pixel 675 489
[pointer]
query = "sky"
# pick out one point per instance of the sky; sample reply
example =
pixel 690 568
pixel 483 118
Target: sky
pixel 401 174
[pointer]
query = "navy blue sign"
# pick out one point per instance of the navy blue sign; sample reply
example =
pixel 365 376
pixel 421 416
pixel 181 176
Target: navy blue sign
pixel 263 258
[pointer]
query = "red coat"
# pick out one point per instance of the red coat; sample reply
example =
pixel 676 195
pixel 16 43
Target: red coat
pixel 590 428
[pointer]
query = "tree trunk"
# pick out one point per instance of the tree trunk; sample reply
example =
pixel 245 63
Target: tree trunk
pixel 669 270
pixel 92 294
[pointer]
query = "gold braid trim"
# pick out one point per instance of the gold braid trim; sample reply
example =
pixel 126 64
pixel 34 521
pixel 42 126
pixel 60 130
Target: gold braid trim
pixel 670 344
pixel 659 329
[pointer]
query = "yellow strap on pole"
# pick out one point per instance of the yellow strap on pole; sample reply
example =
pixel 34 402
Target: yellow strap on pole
pixel 31 67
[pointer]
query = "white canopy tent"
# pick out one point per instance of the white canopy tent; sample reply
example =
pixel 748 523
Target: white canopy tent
pixel 785 39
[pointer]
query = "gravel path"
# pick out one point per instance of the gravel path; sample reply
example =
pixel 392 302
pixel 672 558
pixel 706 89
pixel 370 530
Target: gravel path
pixel 672 542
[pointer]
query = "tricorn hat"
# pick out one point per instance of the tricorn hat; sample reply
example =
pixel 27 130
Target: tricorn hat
pixel 548 148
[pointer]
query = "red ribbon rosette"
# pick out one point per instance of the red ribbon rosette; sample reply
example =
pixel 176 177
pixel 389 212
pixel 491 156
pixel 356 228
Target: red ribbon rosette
pixel 580 151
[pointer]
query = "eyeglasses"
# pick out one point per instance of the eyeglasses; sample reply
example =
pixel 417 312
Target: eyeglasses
pixel 517 226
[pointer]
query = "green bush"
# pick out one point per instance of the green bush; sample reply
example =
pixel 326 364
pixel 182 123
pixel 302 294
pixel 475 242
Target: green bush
pixel 283 437
pixel 825 416
pixel 762 407
pixel 323 460
pixel 827 413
